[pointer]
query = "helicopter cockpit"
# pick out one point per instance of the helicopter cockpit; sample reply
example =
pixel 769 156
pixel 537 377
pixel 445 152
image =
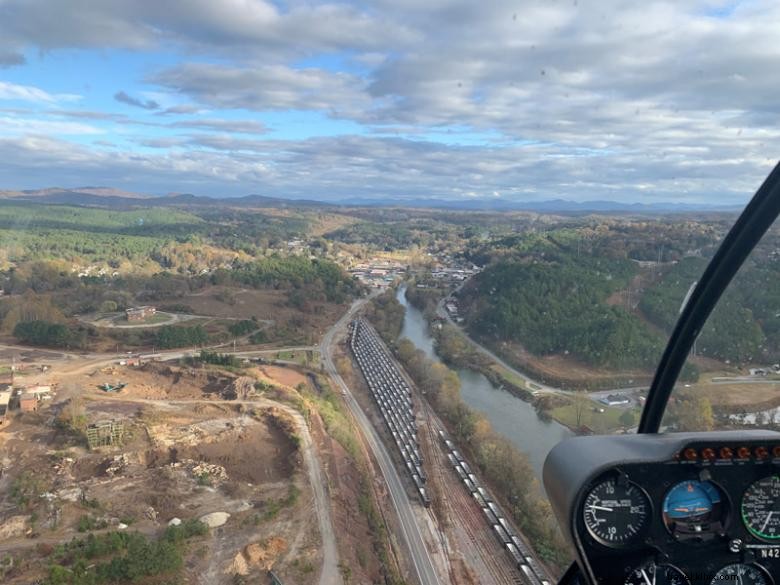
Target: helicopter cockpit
pixel 677 508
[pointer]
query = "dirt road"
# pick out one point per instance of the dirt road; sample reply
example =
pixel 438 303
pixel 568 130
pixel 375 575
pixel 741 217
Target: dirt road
pixel 330 572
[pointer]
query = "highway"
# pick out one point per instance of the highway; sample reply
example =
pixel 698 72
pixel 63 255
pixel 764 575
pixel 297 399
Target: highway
pixel 410 530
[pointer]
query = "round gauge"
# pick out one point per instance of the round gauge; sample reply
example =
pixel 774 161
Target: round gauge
pixel 761 508
pixel 694 511
pixel 652 574
pixel 615 512
pixel 742 575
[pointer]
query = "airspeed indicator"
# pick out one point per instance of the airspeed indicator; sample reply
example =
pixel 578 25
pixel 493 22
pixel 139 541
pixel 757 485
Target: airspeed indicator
pixel 761 508
pixel 616 512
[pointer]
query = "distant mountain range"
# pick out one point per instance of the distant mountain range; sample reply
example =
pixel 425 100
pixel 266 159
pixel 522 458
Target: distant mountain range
pixel 116 198
pixel 549 206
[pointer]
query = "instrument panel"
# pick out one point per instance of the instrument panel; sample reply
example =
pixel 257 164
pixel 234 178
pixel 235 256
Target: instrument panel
pixel 694 508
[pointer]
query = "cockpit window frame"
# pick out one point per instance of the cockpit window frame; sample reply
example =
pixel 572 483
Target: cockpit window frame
pixel 755 220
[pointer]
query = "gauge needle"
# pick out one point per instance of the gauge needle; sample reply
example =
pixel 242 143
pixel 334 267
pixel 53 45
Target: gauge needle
pixel 647 579
pixel 766 522
pixel 595 507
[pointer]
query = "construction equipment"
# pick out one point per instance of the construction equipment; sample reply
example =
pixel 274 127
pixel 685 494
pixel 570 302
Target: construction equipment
pixel 106 387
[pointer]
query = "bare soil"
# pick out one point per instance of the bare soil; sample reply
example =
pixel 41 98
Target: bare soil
pixel 179 460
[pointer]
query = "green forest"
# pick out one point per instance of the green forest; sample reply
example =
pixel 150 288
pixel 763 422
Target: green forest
pixel 145 239
pixel 558 306
pixel 150 221
pixel 317 277
pixel 744 326
pixel 554 292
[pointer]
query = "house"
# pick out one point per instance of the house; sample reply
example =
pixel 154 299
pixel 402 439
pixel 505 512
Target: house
pixel 140 313
pixel 28 402
pixel 615 400
pixel 40 390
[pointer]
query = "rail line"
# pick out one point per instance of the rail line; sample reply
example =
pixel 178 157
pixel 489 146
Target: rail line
pixel 472 507
pixel 461 509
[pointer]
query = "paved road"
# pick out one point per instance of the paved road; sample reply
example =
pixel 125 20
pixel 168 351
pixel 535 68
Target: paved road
pixel 410 530
pixel 535 384
pixel 75 363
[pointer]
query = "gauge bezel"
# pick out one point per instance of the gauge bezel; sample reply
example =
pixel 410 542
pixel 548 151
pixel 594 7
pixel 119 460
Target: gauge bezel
pixel 665 565
pixel 745 524
pixel 647 522
pixel 726 514
pixel 761 569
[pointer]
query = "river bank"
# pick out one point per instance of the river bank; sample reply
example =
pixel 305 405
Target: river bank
pixel 509 414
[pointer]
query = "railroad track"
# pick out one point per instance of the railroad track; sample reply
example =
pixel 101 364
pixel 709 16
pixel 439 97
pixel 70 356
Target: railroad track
pixel 519 567
pixel 461 508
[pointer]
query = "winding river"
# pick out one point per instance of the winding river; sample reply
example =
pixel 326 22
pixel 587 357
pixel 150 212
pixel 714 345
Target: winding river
pixel 509 415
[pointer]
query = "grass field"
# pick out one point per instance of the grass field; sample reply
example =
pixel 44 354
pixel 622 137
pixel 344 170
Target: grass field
pixel 509 376
pixel 600 422
pixel 304 358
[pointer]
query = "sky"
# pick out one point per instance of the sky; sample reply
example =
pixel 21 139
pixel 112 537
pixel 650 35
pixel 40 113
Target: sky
pixel 523 100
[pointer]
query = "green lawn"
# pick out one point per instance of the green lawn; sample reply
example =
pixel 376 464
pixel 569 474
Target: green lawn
pixel 300 357
pixel 601 422
pixel 509 376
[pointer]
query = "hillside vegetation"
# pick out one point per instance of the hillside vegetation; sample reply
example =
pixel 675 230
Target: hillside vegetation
pixel 743 327
pixel 558 306
pixel 580 292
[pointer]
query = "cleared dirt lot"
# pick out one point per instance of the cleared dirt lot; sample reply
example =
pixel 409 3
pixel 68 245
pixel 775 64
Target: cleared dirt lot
pixel 185 454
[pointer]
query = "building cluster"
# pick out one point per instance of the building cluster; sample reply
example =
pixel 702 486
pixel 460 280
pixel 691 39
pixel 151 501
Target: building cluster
pixel 763 372
pixel 378 273
pixel 24 398
pixel 615 400
pixel 393 396
pixel 94 270
pixel 520 553
pixel 454 272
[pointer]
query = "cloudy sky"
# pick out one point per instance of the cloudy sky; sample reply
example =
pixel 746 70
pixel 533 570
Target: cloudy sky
pixel 646 101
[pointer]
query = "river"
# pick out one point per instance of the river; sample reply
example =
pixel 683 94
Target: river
pixel 512 417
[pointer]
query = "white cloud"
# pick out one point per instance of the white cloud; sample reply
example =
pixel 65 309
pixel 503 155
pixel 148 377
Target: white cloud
pixel 28 93
pixel 269 87
pixel 584 99
pixel 26 125
pixel 222 125
pixel 353 166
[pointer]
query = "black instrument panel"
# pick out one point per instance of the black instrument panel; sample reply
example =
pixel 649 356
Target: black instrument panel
pixel 701 509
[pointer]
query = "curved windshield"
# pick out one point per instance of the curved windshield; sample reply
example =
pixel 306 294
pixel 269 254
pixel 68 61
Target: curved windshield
pixel 731 379
pixel 261 258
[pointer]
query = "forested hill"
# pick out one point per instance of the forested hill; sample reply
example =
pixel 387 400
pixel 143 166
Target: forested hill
pixel 557 305
pixel 608 293
pixel 744 326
